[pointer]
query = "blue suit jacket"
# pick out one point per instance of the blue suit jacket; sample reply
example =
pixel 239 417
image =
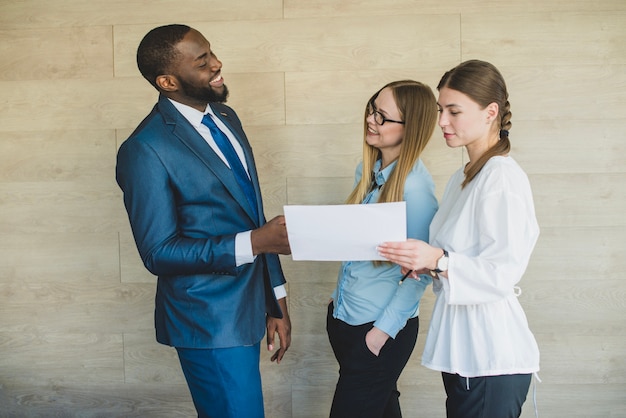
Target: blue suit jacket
pixel 185 208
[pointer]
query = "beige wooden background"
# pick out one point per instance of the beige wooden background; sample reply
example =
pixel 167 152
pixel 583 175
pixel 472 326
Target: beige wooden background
pixel 76 305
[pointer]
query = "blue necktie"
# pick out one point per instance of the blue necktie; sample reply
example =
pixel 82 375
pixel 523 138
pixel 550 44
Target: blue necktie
pixel 229 152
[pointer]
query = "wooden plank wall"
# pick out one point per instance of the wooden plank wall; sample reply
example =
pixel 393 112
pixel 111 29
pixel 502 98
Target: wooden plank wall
pixel 76 331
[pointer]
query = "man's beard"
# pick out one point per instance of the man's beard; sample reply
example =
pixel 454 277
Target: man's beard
pixel 204 94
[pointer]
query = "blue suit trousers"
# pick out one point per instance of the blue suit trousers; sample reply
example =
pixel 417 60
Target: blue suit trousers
pixel 224 382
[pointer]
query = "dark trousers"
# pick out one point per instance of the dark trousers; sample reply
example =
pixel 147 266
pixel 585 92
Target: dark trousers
pixel 367 386
pixel 224 382
pixel 485 397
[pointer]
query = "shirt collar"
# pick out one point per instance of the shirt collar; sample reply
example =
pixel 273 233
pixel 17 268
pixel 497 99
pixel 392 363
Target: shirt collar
pixel 381 176
pixel 194 116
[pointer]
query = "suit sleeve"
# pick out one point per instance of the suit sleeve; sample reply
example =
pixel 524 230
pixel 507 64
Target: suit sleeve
pixel 151 205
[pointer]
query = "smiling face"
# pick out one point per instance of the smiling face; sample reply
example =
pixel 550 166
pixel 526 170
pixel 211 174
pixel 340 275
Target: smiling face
pixel 387 137
pixel 196 75
pixel 464 123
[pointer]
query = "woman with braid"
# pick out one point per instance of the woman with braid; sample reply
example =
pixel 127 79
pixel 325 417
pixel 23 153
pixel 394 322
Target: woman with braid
pixel 481 239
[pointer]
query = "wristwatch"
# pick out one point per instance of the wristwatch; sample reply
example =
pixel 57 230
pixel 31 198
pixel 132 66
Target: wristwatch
pixel 442 263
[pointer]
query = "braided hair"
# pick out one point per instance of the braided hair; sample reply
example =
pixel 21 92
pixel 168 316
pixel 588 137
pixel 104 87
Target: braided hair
pixel 483 83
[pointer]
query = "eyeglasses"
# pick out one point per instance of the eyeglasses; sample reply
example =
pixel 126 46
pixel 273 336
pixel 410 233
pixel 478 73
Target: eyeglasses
pixel 378 117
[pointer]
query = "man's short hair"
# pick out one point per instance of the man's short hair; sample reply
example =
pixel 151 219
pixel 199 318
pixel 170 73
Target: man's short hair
pixel 157 51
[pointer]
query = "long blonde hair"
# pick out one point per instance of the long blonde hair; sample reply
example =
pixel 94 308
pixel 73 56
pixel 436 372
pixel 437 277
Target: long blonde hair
pixel 418 109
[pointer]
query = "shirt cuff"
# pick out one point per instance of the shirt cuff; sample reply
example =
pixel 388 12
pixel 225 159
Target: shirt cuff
pixel 388 326
pixel 243 255
pixel 243 248
pixel 280 291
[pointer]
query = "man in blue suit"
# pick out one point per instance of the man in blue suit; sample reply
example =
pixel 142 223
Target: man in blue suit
pixel 199 226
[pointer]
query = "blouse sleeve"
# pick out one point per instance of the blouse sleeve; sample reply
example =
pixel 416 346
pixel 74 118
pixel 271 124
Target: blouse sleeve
pixel 505 232
pixel 421 205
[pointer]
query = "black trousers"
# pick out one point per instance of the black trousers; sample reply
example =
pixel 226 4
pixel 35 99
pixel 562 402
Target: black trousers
pixel 485 397
pixel 367 386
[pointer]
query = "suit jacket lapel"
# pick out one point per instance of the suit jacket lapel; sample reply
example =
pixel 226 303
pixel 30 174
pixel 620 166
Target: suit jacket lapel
pixel 247 150
pixel 188 135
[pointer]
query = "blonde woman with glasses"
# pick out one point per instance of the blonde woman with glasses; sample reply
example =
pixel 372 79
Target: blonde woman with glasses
pixel 372 320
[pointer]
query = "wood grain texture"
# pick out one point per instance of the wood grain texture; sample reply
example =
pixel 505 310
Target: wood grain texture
pixel 76 304
pixel 36 13
pixel 375 8
pixel 579 199
pixel 318 190
pixel 147 362
pixel 27 258
pixel 330 44
pixel 558 351
pixel 60 207
pixel 554 38
pixel 124 102
pixel 76 307
pixel 538 92
pixel 566 305
pixel 96 400
pixel 47 156
pixel 32 54
pixel 306 150
pixel 310 300
pixel 582 146
pixel 572 248
pixel 78 357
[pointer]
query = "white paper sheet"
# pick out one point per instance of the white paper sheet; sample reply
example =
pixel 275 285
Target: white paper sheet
pixel 343 232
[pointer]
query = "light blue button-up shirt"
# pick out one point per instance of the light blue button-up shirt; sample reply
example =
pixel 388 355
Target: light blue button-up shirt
pixel 367 293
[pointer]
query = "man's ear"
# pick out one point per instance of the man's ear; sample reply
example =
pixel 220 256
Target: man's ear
pixel 167 83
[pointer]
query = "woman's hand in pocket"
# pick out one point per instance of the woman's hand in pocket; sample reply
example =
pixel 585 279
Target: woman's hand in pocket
pixel 375 339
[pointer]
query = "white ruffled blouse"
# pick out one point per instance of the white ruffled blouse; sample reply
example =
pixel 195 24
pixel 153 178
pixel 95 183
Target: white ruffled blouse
pixel 478 327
